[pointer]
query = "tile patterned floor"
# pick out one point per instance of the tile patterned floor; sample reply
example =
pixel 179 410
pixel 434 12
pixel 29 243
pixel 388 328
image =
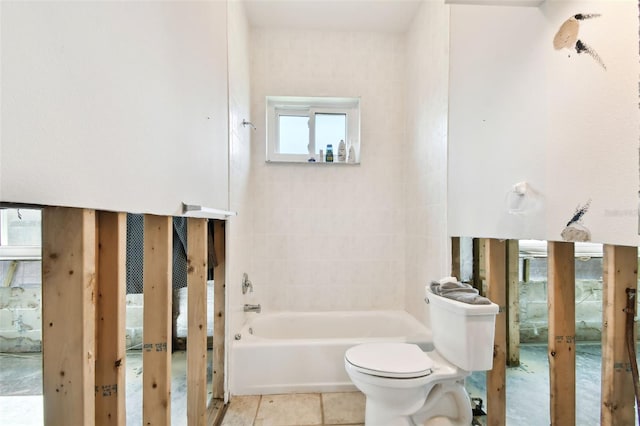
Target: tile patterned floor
pixel 304 409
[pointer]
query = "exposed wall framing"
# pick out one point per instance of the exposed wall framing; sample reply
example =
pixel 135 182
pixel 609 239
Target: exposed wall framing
pixel 110 338
pixel 83 265
pixel 495 258
pixel 68 315
pixel 197 321
pixel 562 332
pixel 620 272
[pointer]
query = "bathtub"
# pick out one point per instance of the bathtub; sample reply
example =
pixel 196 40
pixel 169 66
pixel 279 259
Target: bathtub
pixel 291 352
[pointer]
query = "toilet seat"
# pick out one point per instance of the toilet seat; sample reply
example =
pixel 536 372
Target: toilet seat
pixel 392 360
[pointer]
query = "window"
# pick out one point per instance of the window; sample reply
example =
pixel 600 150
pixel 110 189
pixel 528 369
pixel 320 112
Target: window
pixel 299 129
pixel 20 234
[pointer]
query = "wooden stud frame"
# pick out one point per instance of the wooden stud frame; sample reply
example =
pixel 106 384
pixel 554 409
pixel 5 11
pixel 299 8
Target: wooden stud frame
pixel 68 315
pixel 562 332
pixel 513 304
pixel 111 334
pixel 495 257
pixel 219 274
pixel 197 321
pixel 620 272
pixel 156 356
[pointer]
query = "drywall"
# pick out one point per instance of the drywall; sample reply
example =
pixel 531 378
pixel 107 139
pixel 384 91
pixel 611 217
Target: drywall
pixel 565 123
pixel 115 105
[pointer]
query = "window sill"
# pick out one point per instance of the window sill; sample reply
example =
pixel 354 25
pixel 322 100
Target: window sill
pixel 319 163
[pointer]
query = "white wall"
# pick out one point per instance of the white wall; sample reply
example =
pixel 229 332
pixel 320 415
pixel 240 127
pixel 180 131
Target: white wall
pixel 114 105
pixel 427 252
pixel 522 111
pixel 239 228
pixel 330 237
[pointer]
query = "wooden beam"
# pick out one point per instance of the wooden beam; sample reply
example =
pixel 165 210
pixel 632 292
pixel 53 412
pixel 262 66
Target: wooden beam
pixel 219 309
pixel 620 271
pixel 513 306
pixel 455 258
pixel 68 315
pixel 111 315
pixel 495 257
pixel 479 262
pixel 156 357
pixel 562 332
pixel 197 322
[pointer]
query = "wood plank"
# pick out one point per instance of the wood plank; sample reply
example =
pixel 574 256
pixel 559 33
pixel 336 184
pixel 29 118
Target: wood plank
pixel 620 271
pixel 196 322
pixel 455 258
pixel 68 315
pixel 479 265
pixel 513 305
pixel 156 356
pixel 495 257
pixel 111 316
pixel 219 309
pixel 562 331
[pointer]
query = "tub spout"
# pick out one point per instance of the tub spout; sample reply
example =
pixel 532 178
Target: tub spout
pixel 252 308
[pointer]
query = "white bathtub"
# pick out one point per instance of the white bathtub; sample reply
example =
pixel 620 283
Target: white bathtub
pixel 289 352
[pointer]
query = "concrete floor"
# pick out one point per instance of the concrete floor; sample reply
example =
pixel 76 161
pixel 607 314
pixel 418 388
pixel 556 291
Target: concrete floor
pixel 527 390
pixel 21 389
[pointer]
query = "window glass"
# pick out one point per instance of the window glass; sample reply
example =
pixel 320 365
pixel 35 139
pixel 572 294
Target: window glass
pixel 294 134
pixel 330 129
pixel 298 128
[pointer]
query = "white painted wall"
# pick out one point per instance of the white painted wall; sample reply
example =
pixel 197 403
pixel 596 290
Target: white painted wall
pixel 522 111
pixel 330 237
pixel 427 252
pixel 115 105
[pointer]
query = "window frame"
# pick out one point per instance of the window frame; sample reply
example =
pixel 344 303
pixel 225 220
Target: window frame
pixel 15 252
pixel 309 107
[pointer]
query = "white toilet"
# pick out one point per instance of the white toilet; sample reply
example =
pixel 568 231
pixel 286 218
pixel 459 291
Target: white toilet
pixel 405 386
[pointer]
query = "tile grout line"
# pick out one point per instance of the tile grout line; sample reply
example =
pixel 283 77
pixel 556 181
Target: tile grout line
pixel 255 416
pixel 321 409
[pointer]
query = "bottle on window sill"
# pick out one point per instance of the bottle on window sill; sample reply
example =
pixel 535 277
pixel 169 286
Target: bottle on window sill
pixel 329 157
pixel 342 151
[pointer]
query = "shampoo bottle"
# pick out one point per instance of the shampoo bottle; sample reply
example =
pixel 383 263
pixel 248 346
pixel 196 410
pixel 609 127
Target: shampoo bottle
pixel 342 151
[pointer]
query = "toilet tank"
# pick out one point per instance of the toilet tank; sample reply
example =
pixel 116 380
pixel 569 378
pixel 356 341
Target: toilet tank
pixel 463 333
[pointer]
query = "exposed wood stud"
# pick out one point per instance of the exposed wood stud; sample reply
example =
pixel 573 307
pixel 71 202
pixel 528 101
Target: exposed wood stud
pixel 495 257
pixel 620 271
pixel 455 258
pixel 111 314
pixel 156 356
pixel 479 265
pixel 197 322
pixel 513 309
pixel 219 274
pixel 562 332
pixel 68 310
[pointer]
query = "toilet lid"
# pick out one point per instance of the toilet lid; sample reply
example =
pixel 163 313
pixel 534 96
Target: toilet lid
pixel 400 360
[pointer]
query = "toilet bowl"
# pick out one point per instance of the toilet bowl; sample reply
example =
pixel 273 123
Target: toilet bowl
pixel 404 385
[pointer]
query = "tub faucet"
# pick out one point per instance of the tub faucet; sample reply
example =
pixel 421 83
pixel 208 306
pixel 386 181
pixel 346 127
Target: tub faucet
pixel 252 308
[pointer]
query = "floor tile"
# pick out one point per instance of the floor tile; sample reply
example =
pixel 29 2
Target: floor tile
pixel 242 410
pixel 343 408
pixel 289 410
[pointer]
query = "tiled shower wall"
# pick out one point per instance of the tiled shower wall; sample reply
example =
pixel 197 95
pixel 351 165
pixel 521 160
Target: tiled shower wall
pixel 425 182
pixel 238 228
pixel 331 237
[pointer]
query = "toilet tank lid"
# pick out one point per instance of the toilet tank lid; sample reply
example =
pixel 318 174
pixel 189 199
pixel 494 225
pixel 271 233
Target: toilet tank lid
pixel 391 359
